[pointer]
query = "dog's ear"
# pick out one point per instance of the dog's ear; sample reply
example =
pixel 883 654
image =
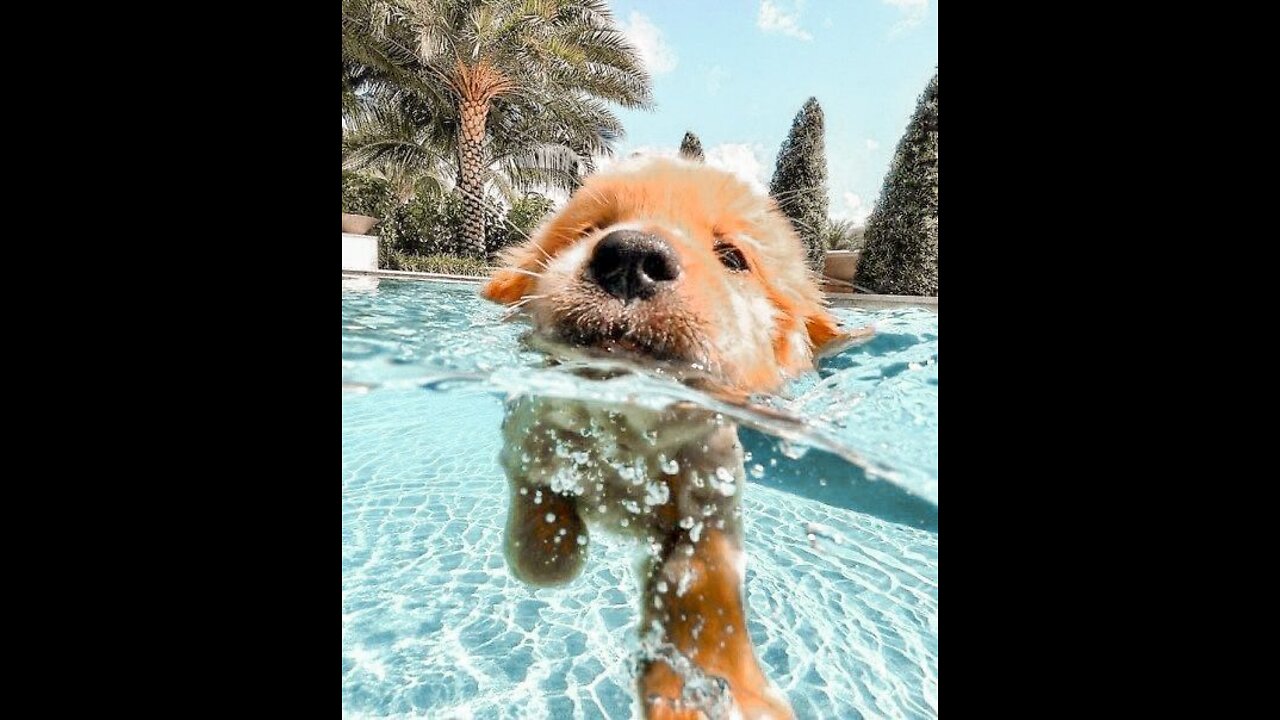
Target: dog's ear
pixel 507 286
pixel 828 336
pixel 514 279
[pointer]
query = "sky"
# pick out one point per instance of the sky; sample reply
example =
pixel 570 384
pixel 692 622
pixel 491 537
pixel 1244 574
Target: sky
pixel 736 72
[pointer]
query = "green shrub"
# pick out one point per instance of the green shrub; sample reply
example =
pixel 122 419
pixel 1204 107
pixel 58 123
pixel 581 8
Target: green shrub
pixel 799 183
pixel 423 226
pixel 445 264
pixel 363 195
pixel 691 148
pixel 902 233
pixel 427 230
pixel 432 225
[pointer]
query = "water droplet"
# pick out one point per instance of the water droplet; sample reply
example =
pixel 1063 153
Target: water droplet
pixel 582 539
pixel 551 517
pixel 670 467
pixel 757 471
pixel 662 586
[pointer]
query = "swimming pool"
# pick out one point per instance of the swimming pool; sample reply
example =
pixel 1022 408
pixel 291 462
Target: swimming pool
pixel 842 537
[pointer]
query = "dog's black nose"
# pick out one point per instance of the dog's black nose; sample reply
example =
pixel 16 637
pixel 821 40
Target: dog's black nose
pixel 629 264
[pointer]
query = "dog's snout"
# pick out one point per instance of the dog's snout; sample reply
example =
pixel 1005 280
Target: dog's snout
pixel 631 265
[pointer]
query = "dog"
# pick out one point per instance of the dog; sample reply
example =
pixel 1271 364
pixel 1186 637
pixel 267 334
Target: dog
pixel 677 264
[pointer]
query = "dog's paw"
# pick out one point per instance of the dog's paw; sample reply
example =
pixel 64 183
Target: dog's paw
pixel 546 542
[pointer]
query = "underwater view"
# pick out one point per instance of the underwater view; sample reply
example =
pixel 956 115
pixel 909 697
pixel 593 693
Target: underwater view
pixel 839 514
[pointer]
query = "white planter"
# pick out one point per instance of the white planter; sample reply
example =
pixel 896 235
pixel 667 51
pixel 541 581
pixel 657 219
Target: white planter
pixel 359 252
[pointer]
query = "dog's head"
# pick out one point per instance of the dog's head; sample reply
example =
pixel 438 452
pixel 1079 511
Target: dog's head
pixel 673 260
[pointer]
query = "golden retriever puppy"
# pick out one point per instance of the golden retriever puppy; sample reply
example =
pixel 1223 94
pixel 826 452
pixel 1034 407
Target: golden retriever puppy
pixel 680 265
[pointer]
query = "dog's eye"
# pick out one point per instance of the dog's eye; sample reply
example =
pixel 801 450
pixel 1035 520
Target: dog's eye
pixel 730 256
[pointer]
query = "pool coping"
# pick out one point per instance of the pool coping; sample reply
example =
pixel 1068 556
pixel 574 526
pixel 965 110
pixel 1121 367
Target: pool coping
pixel 865 300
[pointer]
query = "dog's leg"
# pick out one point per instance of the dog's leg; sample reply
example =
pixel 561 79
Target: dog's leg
pixel 694 599
pixel 546 540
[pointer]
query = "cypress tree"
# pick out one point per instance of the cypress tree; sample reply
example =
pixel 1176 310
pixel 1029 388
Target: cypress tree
pixel 691 148
pixel 901 255
pixel 799 182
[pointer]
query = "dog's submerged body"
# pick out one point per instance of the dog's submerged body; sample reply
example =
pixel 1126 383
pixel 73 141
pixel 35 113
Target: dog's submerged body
pixel 674 262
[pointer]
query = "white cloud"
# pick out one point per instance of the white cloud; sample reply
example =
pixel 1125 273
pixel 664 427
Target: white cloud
pixel 853 209
pixel 715 79
pixel 773 18
pixel 872 145
pixel 657 55
pixel 913 12
pixel 742 159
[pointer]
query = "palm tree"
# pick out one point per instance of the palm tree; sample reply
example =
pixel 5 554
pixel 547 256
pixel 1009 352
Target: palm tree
pixel 516 91
pixel 414 147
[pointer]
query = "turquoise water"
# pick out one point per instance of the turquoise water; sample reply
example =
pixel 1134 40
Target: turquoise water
pixel 840 512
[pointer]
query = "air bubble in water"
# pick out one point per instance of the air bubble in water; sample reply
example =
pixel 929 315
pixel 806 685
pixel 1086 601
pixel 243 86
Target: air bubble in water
pixel 757 471
pixel 682 587
pixel 551 517
pixel 670 467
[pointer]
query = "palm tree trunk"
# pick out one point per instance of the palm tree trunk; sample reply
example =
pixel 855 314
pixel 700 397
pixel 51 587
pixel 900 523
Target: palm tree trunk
pixel 471 164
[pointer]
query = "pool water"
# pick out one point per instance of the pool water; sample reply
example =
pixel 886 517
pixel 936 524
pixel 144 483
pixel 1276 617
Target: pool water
pixel 841 528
